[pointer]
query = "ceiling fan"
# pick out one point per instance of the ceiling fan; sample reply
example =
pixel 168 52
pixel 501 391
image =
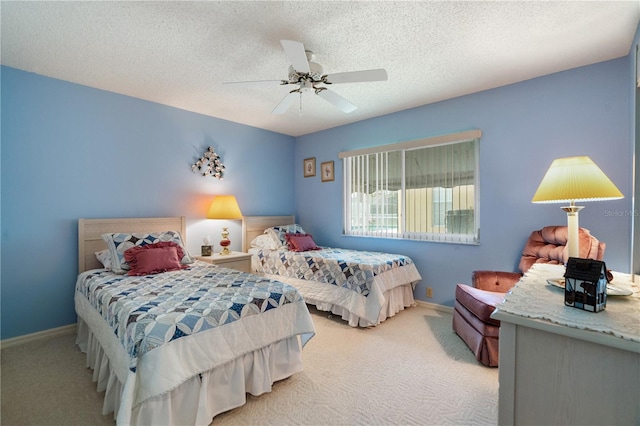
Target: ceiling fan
pixel 308 76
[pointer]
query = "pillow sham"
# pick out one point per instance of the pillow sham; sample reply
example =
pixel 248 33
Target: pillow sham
pixel 118 243
pixel 154 258
pixel 265 242
pixel 301 242
pixel 278 233
pixel 104 257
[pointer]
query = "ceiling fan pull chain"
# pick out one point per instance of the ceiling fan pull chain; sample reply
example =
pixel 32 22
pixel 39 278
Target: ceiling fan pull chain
pixel 300 110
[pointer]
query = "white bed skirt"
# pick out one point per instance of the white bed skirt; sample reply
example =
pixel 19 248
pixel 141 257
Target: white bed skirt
pixel 199 399
pixel 395 300
pixel 391 292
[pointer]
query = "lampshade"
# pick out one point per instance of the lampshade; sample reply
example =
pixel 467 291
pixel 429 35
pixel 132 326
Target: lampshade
pixel 224 207
pixel 575 179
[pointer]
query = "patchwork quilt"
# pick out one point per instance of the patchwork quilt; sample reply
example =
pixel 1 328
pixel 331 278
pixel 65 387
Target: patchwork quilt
pixel 353 270
pixel 147 312
pixel 342 280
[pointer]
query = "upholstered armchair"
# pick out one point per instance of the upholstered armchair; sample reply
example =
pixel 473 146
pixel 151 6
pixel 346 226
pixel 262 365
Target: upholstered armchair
pixel 474 304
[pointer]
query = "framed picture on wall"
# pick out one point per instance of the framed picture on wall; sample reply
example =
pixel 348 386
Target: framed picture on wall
pixel 327 171
pixel 309 165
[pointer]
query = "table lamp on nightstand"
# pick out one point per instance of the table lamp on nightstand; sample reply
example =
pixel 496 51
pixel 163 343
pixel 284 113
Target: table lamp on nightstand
pixel 224 207
pixel 574 179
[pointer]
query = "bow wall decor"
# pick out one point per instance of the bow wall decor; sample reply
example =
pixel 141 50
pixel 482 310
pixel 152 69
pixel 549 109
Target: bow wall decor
pixel 209 165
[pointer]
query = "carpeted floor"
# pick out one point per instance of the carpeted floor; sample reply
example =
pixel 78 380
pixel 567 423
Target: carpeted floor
pixel 410 370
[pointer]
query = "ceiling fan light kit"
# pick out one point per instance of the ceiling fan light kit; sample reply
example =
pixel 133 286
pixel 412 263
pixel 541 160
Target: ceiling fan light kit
pixel 309 76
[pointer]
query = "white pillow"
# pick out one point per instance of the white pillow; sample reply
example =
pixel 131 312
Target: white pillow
pixel 104 256
pixel 264 241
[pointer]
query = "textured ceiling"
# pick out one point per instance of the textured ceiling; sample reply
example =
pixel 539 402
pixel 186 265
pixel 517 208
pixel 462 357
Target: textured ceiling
pixel 180 53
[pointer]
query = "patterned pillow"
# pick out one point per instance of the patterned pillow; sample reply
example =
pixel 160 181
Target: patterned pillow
pixel 118 243
pixel 278 233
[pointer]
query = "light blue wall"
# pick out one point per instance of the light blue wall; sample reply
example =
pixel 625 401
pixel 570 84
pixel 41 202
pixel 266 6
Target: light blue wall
pixel 70 151
pixel 525 126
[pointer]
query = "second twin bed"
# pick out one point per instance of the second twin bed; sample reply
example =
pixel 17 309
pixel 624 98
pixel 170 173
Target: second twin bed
pixel 362 287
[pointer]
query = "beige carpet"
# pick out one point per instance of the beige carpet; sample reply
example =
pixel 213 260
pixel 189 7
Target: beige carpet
pixel 411 370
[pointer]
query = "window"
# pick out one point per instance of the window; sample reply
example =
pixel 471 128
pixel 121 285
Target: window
pixel 421 190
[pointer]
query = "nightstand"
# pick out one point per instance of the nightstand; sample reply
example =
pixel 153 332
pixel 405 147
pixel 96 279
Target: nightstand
pixel 236 260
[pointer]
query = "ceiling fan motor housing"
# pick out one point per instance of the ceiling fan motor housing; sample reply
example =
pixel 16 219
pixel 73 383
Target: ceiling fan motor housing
pixel 315 70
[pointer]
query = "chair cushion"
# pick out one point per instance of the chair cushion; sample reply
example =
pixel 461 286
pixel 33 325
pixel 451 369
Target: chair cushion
pixel 477 326
pixel 481 303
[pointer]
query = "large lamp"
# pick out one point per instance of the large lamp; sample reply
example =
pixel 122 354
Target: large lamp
pixel 574 179
pixel 224 207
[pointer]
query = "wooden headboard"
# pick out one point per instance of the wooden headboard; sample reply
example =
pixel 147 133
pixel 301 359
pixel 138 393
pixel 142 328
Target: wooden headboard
pixel 90 234
pixel 252 226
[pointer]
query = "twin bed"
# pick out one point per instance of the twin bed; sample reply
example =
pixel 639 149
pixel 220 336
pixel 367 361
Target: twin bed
pixel 363 288
pixel 182 346
pixel 172 340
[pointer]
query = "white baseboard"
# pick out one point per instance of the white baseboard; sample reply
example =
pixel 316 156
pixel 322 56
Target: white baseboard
pixel 21 340
pixel 435 306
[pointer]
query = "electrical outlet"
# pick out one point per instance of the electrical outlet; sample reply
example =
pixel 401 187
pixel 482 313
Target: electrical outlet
pixel 429 292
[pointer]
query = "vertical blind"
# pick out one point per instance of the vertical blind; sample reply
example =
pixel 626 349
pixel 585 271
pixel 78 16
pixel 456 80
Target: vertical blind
pixel 424 190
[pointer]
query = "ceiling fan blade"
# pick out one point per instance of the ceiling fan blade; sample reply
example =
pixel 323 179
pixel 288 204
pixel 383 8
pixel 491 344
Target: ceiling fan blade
pixel 357 76
pixel 296 54
pixel 337 100
pixel 257 82
pixel 286 102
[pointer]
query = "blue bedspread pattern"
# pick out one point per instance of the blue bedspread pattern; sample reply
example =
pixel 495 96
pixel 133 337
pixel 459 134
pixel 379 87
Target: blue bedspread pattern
pixel 351 269
pixel 149 311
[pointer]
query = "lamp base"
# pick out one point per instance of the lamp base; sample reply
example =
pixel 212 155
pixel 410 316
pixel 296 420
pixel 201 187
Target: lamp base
pixel 573 242
pixel 225 242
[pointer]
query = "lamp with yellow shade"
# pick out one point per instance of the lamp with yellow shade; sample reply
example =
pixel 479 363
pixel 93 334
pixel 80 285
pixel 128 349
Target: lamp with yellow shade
pixel 224 207
pixel 574 179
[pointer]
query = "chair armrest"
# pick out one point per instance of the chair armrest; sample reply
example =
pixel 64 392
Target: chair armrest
pixel 495 280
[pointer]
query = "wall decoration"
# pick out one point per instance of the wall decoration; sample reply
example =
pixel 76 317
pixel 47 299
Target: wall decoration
pixel 309 165
pixel 327 171
pixel 209 165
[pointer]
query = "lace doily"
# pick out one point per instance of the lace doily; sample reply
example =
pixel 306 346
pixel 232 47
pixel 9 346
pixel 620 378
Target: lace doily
pixel 533 297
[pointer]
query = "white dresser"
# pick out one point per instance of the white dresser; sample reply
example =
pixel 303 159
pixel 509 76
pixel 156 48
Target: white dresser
pixel 564 366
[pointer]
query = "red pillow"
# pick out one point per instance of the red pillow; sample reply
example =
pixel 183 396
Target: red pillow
pixel 300 242
pixel 154 258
